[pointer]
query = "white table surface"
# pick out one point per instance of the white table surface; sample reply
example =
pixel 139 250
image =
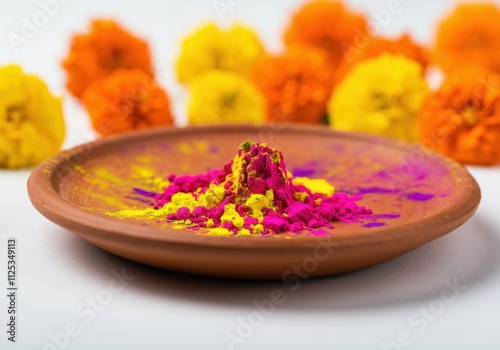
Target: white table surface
pixel 60 276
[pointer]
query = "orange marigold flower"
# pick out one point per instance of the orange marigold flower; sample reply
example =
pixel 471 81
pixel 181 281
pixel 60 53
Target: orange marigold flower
pixel 296 85
pixel 126 100
pixel 375 46
pixel 462 118
pixel 96 54
pixel 471 35
pixel 327 25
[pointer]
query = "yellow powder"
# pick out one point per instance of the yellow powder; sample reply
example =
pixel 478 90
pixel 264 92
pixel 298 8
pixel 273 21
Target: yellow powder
pixel 259 201
pixel 184 200
pixel 232 216
pixel 169 208
pixel 140 172
pixel 213 196
pixel 244 232
pixel 300 196
pixel 258 228
pixel 315 185
pixel 219 231
pixel 158 183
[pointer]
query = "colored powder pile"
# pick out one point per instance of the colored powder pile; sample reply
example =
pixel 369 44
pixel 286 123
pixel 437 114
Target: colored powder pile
pixel 253 194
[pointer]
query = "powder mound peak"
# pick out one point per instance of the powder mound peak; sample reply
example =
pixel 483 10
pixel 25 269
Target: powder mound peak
pixel 257 169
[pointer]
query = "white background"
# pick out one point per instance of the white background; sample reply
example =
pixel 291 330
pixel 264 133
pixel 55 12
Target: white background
pixel 58 272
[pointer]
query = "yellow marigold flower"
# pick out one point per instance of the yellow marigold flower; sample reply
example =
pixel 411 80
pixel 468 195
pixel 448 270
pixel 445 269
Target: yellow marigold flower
pixel 376 46
pixel 31 119
pixel 382 96
pixel 210 47
pixel 224 97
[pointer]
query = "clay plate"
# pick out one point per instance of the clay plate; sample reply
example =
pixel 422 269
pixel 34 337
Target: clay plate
pixel 416 196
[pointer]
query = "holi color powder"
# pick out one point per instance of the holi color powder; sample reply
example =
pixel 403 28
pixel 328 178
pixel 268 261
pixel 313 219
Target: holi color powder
pixel 303 172
pixel 416 196
pixel 385 216
pixel 378 190
pixel 254 194
pixel 374 224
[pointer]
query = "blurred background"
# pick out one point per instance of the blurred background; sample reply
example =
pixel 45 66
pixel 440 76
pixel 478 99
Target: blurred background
pixel 165 24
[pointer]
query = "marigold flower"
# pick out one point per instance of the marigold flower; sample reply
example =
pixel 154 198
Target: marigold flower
pixel 327 25
pixel 376 46
pixel 296 85
pixel 381 95
pixel 224 97
pixel 470 36
pixel 210 47
pixel 462 118
pixel 96 54
pixel 31 119
pixel 126 100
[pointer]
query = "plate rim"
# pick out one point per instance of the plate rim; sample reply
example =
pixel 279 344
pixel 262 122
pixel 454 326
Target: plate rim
pixel 49 202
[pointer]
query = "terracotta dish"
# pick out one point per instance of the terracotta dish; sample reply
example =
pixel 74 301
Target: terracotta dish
pixel 416 196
